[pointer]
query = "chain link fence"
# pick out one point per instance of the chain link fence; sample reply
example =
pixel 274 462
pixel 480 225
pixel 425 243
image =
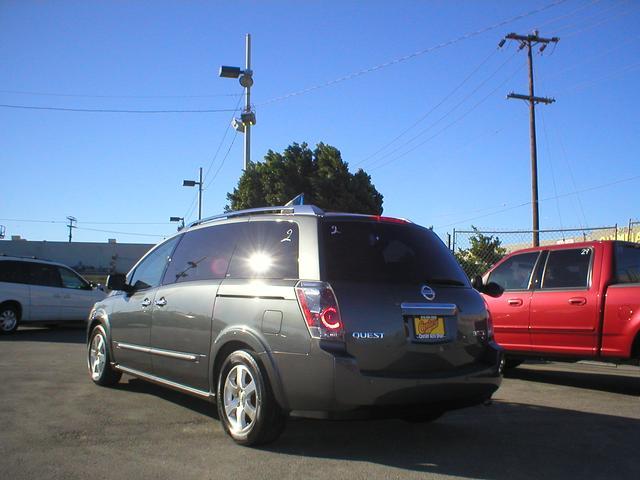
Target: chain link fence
pixel 477 250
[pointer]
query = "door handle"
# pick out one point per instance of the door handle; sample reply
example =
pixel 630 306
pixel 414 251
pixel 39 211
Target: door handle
pixel 515 302
pixel 578 301
pixel 162 302
pixel 146 302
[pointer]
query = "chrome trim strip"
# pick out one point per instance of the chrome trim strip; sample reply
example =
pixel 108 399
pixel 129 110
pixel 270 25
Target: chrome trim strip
pixel 168 383
pixel 135 348
pixel 171 354
pixel 157 351
pixel 448 308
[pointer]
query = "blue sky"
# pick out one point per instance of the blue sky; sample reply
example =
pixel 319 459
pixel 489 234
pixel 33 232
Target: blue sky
pixel 465 162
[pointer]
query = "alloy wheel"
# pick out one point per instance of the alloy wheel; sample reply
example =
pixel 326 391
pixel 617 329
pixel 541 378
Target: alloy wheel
pixel 8 320
pixel 97 356
pixel 241 399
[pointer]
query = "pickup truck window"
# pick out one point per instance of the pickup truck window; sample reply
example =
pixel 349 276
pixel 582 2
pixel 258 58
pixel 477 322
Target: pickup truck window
pixel 515 272
pixel 627 263
pixel 567 268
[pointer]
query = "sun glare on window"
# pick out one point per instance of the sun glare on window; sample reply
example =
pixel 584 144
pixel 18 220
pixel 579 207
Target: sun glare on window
pixel 260 262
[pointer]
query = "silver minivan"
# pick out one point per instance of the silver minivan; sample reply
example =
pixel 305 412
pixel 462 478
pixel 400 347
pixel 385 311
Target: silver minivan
pixel 284 311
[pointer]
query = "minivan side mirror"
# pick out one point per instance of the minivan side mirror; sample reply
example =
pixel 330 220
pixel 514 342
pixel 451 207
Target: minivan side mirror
pixel 118 281
pixel 492 288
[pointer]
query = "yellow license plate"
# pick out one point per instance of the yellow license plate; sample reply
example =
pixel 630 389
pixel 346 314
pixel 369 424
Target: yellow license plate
pixel 428 327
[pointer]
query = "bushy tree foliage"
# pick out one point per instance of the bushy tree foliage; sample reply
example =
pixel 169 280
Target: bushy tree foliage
pixel 320 174
pixel 483 252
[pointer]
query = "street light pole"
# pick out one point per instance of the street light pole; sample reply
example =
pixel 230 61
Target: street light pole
pixel 247 117
pixel 193 183
pixel 200 196
pixel 247 105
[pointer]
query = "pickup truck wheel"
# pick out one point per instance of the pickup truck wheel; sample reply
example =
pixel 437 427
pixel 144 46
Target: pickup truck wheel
pixel 246 406
pixel 99 360
pixel 8 319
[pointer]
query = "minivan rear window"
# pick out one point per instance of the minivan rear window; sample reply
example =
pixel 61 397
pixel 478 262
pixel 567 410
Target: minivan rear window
pixel 366 251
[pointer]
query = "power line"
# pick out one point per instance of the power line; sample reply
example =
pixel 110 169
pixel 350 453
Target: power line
pixel 597 24
pixel 431 110
pixel 103 110
pixel 562 195
pixel 223 160
pixel 413 55
pixel 77 95
pixel 226 132
pixel 121 233
pixel 442 117
pixel 24 220
pixel 450 124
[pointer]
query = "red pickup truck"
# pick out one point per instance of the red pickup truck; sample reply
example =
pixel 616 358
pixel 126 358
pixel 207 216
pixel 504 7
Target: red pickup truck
pixel 572 301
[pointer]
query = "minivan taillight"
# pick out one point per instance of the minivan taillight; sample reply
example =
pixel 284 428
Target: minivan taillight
pixel 320 309
pixel 489 326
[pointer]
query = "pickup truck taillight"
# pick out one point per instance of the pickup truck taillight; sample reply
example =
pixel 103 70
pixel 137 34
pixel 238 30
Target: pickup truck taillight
pixel 320 309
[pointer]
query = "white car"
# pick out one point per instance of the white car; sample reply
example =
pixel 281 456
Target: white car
pixel 39 291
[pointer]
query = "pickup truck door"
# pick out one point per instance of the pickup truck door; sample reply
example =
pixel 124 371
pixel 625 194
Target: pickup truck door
pixel 564 317
pixel 510 311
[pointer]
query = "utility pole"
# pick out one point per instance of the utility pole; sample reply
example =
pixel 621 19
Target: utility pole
pixel 529 41
pixel 248 116
pixel 72 220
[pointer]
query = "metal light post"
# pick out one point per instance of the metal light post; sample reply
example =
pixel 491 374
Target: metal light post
pixel 193 183
pixel 178 219
pixel 247 117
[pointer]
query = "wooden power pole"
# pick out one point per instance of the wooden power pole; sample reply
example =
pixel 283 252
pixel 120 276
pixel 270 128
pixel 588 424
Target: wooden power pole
pixel 529 41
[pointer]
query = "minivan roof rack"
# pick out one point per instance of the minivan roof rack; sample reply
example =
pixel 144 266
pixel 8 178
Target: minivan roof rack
pixel 284 210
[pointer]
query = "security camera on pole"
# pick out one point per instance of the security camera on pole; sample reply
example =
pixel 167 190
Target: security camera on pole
pixel 248 117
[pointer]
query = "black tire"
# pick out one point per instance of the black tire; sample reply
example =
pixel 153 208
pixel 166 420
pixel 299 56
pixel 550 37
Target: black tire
pixel 511 363
pixel 268 419
pixel 425 417
pixel 104 376
pixel 9 319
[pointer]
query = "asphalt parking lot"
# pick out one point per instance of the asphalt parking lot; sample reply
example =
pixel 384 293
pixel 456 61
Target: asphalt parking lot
pixel 547 421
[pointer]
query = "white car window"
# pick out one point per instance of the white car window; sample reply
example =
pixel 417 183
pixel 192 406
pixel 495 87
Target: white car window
pixel 71 280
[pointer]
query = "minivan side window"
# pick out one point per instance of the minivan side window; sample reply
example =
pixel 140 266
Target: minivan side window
pixel 515 272
pixel 627 263
pixel 567 268
pixel 266 249
pixel 203 254
pixel 44 275
pixel 71 280
pixel 149 272
pixel 14 272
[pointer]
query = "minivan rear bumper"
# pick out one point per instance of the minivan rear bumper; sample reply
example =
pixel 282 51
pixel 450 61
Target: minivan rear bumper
pixel 335 384
pixel 472 386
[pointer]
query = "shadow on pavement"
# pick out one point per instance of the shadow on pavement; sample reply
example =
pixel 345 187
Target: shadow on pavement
pixel 73 333
pixel 131 384
pixel 612 383
pixel 504 441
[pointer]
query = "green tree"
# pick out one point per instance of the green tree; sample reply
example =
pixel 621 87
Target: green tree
pixel 483 252
pixel 320 174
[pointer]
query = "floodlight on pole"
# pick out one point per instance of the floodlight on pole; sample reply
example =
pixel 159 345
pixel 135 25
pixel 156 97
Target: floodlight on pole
pixel 193 183
pixel 248 117
pixel 178 219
